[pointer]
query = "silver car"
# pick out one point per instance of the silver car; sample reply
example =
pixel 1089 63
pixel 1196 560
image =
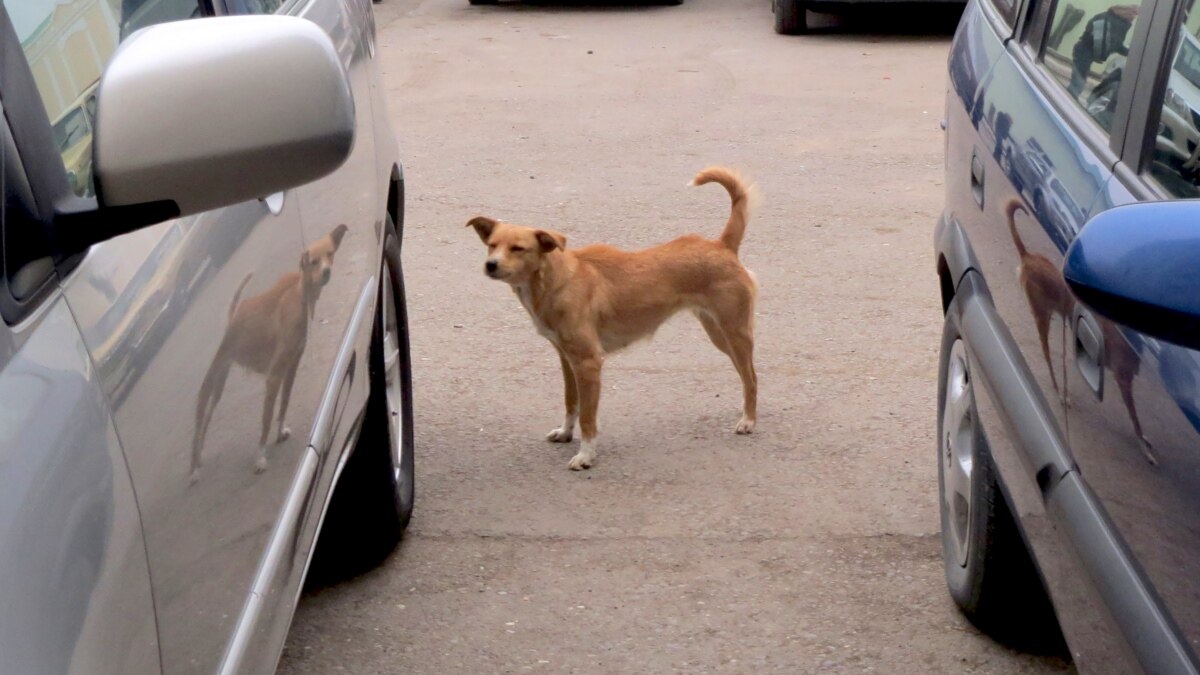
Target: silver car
pixel 203 340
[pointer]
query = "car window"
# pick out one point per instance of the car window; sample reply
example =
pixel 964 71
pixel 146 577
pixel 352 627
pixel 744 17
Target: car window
pixel 1007 10
pixel 1175 159
pixel 1085 51
pixel 67 44
pixel 254 6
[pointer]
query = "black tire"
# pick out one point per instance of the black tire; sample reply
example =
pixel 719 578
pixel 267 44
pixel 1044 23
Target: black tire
pixel 373 501
pixel 791 16
pixel 483 2
pixel 994 582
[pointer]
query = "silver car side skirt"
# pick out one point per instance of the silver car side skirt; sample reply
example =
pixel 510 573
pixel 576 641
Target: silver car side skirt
pixel 282 540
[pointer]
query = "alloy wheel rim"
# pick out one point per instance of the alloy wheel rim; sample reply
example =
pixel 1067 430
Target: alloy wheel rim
pixel 958 453
pixel 391 373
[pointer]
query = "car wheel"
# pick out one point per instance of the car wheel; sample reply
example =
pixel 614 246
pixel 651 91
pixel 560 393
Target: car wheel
pixel 373 500
pixel 790 17
pixel 988 569
pixel 483 2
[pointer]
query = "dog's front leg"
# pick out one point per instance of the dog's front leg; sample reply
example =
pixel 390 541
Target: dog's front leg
pixel 564 433
pixel 587 382
pixel 285 395
pixel 273 383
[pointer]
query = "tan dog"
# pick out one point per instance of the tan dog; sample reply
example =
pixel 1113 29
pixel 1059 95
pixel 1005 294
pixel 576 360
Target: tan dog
pixel 595 300
pixel 267 335
pixel 1049 295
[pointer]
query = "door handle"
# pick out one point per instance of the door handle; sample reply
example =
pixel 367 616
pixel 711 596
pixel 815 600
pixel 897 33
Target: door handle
pixel 977 178
pixel 274 202
pixel 1089 351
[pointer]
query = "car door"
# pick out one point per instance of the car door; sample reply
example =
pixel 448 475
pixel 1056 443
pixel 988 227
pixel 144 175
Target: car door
pixel 343 212
pixel 183 322
pixel 1134 418
pixel 1056 106
pixel 72 555
pixel 342 219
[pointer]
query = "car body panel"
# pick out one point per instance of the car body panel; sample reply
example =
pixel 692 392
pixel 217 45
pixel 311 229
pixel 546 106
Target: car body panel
pixel 1151 495
pixel 205 533
pixel 73 556
pixel 221 553
pixel 325 206
pixel 972 54
pixel 1112 535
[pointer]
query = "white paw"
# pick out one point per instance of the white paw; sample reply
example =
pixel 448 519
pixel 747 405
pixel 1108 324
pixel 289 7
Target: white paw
pixel 744 426
pixel 586 457
pixel 560 435
pixel 582 460
pixel 284 434
pixel 261 465
pixel 194 476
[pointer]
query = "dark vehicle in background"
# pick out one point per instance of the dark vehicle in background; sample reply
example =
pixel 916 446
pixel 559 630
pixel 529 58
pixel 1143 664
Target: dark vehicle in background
pixel 791 16
pixel 1069 266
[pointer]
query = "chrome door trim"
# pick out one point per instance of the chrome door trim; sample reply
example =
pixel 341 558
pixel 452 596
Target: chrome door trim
pixel 283 539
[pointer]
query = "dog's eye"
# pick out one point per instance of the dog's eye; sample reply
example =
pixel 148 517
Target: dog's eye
pixel 517 249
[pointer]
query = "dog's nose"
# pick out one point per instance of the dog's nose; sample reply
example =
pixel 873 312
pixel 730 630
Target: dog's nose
pixel 491 266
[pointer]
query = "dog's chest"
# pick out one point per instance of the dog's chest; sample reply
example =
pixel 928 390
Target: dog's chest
pixel 527 302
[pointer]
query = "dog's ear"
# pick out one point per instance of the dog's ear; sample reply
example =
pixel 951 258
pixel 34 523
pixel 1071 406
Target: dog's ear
pixel 337 235
pixel 483 226
pixel 550 240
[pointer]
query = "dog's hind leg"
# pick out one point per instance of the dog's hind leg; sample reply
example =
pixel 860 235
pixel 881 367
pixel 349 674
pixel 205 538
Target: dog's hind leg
pixel 741 347
pixel 206 404
pixel 731 324
pixel 587 379
pixel 564 433
pixel 714 332
pixel 1043 328
pixel 1125 384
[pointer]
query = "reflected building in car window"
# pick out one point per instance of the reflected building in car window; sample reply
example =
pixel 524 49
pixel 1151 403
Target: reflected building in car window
pixel 67 45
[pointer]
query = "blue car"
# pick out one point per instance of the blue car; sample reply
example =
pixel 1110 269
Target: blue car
pixel 1069 266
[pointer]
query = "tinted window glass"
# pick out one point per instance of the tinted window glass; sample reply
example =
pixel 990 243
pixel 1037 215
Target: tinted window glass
pixel 68 43
pixel 254 6
pixel 1175 160
pixel 1007 10
pixel 1085 50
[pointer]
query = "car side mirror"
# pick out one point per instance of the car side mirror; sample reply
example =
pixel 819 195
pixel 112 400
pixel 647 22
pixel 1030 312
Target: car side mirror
pixel 1139 265
pixel 198 114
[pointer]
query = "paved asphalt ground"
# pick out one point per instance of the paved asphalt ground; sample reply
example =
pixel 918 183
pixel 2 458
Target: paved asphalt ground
pixel 811 545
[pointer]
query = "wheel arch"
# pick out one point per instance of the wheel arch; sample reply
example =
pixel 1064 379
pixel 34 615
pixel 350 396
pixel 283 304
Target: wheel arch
pixel 955 258
pixel 395 200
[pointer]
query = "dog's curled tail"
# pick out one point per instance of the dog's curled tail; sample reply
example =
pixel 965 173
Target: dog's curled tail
pixel 743 197
pixel 1010 212
pixel 237 295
